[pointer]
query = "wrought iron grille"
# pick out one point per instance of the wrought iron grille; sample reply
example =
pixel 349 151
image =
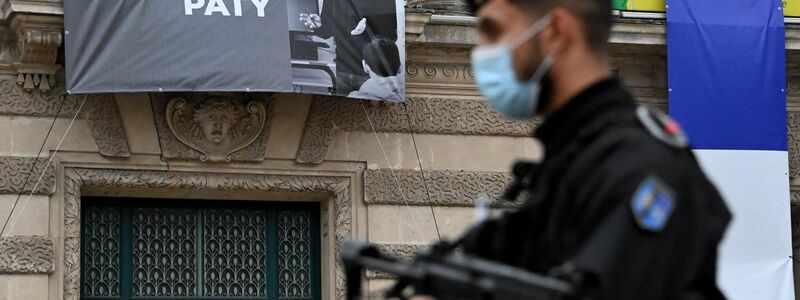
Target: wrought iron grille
pixel 144 249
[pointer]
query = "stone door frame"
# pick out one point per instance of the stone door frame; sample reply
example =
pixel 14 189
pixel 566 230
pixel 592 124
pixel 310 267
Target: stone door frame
pixel 335 193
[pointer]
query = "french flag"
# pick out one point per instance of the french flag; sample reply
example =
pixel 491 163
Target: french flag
pixel 727 81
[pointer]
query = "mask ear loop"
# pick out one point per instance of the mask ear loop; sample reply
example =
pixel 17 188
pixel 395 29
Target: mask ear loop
pixel 547 62
pixel 537 27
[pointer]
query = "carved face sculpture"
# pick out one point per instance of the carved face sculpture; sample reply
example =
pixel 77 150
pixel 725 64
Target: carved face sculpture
pixel 215 117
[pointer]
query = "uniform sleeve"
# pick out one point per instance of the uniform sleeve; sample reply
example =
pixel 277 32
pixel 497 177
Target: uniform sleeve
pixel 499 239
pixel 644 239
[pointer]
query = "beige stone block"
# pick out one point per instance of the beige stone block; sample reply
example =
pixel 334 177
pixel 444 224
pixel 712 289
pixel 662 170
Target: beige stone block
pixel 137 118
pixel 288 122
pixel 31 219
pixel 378 287
pixel 23 136
pixel 437 152
pixel 23 287
pixel 414 224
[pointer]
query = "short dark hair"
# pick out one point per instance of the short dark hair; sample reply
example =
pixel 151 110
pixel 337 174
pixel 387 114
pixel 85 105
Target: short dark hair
pixel 382 57
pixel 594 14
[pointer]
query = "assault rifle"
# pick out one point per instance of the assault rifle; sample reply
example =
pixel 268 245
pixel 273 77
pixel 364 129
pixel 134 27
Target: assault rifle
pixel 439 272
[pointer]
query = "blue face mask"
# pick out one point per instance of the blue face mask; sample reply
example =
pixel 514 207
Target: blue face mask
pixel 494 72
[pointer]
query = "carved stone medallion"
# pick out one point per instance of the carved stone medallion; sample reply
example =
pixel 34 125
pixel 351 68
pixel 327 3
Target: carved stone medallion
pixel 216 125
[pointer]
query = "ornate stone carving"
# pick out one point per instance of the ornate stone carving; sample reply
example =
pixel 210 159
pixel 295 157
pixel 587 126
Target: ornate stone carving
pixel 38 40
pixel 441 72
pixel 75 179
pixel 402 251
pixel 428 115
pixel 793 127
pixel 14 170
pixel 109 134
pixel 14 101
pixel 100 110
pixel 213 127
pixel 447 188
pixel 27 255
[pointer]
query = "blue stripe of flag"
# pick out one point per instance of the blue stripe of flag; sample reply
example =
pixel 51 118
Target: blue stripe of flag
pixel 727 72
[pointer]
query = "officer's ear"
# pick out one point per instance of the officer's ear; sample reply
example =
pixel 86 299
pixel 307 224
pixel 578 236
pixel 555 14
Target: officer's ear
pixel 560 35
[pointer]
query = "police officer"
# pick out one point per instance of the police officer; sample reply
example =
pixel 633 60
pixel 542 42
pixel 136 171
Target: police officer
pixel 618 201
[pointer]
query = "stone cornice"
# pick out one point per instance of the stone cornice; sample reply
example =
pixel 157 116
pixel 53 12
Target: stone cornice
pixel 27 255
pixel 46 7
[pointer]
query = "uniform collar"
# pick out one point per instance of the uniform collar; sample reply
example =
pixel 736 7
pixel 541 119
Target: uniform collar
pixel 603 97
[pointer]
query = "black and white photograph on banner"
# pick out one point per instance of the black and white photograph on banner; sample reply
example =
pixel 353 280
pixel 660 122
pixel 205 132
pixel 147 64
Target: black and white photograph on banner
pixel 351 48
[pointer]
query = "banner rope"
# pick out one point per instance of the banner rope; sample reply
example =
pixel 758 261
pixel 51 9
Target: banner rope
pixel 33 167
pixel 44 171
pixel 394 175
pixel 421 170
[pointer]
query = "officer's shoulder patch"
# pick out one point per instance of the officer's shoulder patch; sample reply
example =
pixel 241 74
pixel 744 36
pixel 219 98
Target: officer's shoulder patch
pixel 652 204
pixel 662 126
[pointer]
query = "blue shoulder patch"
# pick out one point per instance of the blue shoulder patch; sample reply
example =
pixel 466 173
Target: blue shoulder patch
pixel 652 205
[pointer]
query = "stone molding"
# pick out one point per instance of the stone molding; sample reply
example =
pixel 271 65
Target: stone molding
pixel 78 178
pixel 174 148
pixel 415 24
pixel 401 251
pixel 14 170
pixel 16 102
pixel 793 130
pixel 50 7
pixel 428 116
pixel 104 118
pixel 27 255
pixel 100 110
pixel 441 7
pixel 447 188
pixel 440 72
pixel 793 133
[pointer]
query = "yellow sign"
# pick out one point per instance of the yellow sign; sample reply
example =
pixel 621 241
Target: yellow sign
pixel 791 8
pixel 640 5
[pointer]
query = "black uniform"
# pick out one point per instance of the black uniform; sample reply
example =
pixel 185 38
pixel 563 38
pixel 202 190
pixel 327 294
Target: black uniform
pixel 623 204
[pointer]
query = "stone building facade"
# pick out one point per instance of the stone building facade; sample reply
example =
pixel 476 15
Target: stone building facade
pixel 375 171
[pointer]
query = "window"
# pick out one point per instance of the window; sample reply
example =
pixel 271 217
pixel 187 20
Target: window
pixel 204 250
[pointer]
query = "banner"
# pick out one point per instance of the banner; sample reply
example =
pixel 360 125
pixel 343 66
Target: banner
pixel 731 101
pixel 352 48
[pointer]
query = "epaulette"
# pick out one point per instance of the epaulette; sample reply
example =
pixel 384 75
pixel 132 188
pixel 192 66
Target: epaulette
pixel 662 127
